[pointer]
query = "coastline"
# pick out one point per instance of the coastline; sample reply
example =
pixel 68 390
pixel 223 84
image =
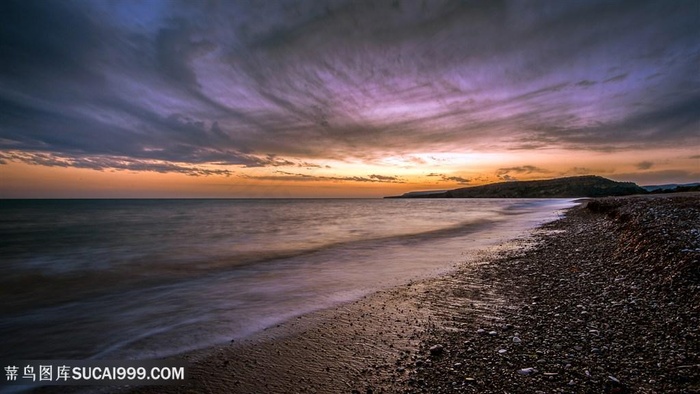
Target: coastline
pixel 604 300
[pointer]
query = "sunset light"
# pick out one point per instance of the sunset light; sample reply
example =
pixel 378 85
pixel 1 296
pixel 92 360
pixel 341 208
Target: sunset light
pixel 249 100
pixel 349 196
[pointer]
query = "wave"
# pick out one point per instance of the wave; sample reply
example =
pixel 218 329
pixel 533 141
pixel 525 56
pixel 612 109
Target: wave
pixel 180 297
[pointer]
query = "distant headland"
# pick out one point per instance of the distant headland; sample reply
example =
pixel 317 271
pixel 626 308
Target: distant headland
pixel 569 187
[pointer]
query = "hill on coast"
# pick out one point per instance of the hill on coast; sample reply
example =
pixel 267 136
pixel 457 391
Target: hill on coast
pixel 579 186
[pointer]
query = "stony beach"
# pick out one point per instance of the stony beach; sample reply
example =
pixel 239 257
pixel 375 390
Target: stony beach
pixel 604 300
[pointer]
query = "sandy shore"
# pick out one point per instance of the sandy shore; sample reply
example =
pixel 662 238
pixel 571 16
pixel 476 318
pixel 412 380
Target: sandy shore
pixel 606 299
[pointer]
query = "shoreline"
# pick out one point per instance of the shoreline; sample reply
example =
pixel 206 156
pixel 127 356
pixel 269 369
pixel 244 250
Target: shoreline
pixel 610 321
pixel 332 349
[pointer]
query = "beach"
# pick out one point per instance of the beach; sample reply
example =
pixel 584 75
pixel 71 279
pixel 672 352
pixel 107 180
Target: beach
pixel 606 299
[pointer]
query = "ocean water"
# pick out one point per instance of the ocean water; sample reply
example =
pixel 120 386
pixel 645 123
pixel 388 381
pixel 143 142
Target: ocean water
pixel 135 279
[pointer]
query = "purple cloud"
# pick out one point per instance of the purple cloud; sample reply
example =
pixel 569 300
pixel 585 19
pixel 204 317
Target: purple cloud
pixel 287 84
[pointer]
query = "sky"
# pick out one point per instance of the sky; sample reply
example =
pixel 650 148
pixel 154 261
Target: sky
pixel 123 98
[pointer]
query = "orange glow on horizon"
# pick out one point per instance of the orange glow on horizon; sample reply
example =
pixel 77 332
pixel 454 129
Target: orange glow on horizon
pixel 390 175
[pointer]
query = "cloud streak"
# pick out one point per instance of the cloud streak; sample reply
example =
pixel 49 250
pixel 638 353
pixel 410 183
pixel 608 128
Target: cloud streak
pixel 299 177
pixel 286 85
pixel 645 165
pixel 506 173
pixel 108 163
pixel 445 178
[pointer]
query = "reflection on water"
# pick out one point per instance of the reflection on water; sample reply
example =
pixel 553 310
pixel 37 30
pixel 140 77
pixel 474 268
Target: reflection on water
pixel 144 278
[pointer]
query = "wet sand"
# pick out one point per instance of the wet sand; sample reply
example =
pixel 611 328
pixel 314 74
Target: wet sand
pixel 606 299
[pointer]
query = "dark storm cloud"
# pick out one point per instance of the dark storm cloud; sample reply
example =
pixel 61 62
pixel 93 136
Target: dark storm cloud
pixel 175 50
pixel 670 125
pixel 48 43
pixel 269 84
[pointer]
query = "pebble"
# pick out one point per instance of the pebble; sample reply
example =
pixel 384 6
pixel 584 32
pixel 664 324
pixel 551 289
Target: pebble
pixel 583 331
pixel 436 350
pixel 527 371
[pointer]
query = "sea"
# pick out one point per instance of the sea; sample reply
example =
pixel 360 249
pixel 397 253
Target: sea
pixel 142 279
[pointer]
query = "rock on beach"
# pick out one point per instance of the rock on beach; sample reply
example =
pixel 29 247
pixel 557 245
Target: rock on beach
pixel 516 324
